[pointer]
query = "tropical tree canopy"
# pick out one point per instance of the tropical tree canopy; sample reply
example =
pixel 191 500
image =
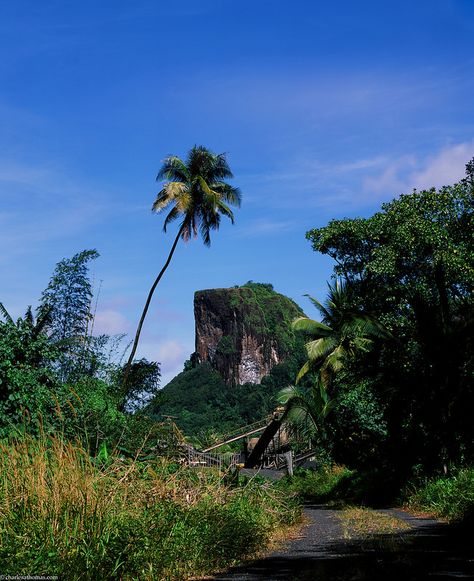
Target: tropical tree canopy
pixel 412 265
pixel 343 333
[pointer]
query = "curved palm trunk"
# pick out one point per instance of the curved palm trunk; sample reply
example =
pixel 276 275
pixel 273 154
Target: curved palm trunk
pixel 145 308
pixel 263 443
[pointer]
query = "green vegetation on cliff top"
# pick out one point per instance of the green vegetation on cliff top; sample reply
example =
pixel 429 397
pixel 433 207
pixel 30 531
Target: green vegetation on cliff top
pixel 198 399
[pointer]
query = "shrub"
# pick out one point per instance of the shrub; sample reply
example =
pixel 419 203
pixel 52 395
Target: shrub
pixel 317 485
pixel 450 497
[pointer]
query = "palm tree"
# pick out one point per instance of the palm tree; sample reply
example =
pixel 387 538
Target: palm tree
pixel 196 195
pixel 342 334
pixel 306 407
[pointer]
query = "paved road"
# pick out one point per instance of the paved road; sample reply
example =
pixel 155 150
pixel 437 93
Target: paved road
pixel 428 551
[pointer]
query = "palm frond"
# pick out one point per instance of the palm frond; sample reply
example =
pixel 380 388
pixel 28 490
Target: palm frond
pixel 205 226
pixel 320 348
pixel 304 370
pixel 311 327
pixel 303 407
pixel 205 187
pixel 172 192
pixel 321 308
pixel 225 210
pixel 173 215
pixel 220 168
pixel 334 361
pixel 228 193
pixel 362 344
pixel 173 168
pixel 287 393
pixel 328 407
pixel 6 315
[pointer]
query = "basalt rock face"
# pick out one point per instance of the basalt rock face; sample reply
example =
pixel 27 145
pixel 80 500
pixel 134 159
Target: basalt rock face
pixel 243 331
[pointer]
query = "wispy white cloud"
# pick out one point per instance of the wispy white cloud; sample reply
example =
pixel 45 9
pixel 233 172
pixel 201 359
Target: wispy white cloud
pixel 404 174
pixel 110 322
pixel 353 185
pixel 445 168
pixel 389 180
pixel 170 353
pixel 264 227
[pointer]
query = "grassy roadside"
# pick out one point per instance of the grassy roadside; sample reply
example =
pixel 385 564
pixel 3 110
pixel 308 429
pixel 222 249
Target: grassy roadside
pixel 450 497
pixel 63 513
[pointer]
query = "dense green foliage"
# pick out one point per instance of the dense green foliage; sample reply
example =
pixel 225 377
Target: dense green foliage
pixel 56 375
pixel 63 514
pixel 412 267
pixel 26 377
pixel 204 407
pixel 343 335
pixel 316 485
pixel 451 497
pixel 392 359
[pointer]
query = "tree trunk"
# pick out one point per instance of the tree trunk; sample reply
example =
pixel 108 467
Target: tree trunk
pixel 145 309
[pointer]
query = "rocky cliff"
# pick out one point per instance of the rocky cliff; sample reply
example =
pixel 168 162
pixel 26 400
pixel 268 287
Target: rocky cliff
pixel 243 331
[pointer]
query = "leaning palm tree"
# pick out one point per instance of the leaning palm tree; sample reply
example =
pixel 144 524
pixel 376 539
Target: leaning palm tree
pixel 196 195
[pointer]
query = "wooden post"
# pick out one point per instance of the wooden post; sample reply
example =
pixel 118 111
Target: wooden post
pixel 289 462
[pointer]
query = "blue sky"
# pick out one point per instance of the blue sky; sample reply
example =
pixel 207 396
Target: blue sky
pixel 325 109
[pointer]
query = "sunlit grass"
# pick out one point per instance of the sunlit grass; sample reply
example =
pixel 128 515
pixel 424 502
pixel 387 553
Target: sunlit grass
pixel 63 513
pixel 366 523
pixel 317 485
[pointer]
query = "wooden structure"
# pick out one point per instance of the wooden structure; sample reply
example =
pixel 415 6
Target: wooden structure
pixel 269 448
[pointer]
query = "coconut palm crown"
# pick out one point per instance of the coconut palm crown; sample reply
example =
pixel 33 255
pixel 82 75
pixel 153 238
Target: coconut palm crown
pixel 196 192
pixel 342 334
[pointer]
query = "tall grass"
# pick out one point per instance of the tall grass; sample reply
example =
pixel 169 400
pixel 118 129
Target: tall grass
pixel 62 513
pixel 449 497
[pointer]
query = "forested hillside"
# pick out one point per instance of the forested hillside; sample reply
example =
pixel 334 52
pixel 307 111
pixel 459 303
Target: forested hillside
pixel 200 399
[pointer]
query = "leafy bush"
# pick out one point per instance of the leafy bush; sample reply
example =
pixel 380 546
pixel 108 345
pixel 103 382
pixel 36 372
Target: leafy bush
pixel 317 485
